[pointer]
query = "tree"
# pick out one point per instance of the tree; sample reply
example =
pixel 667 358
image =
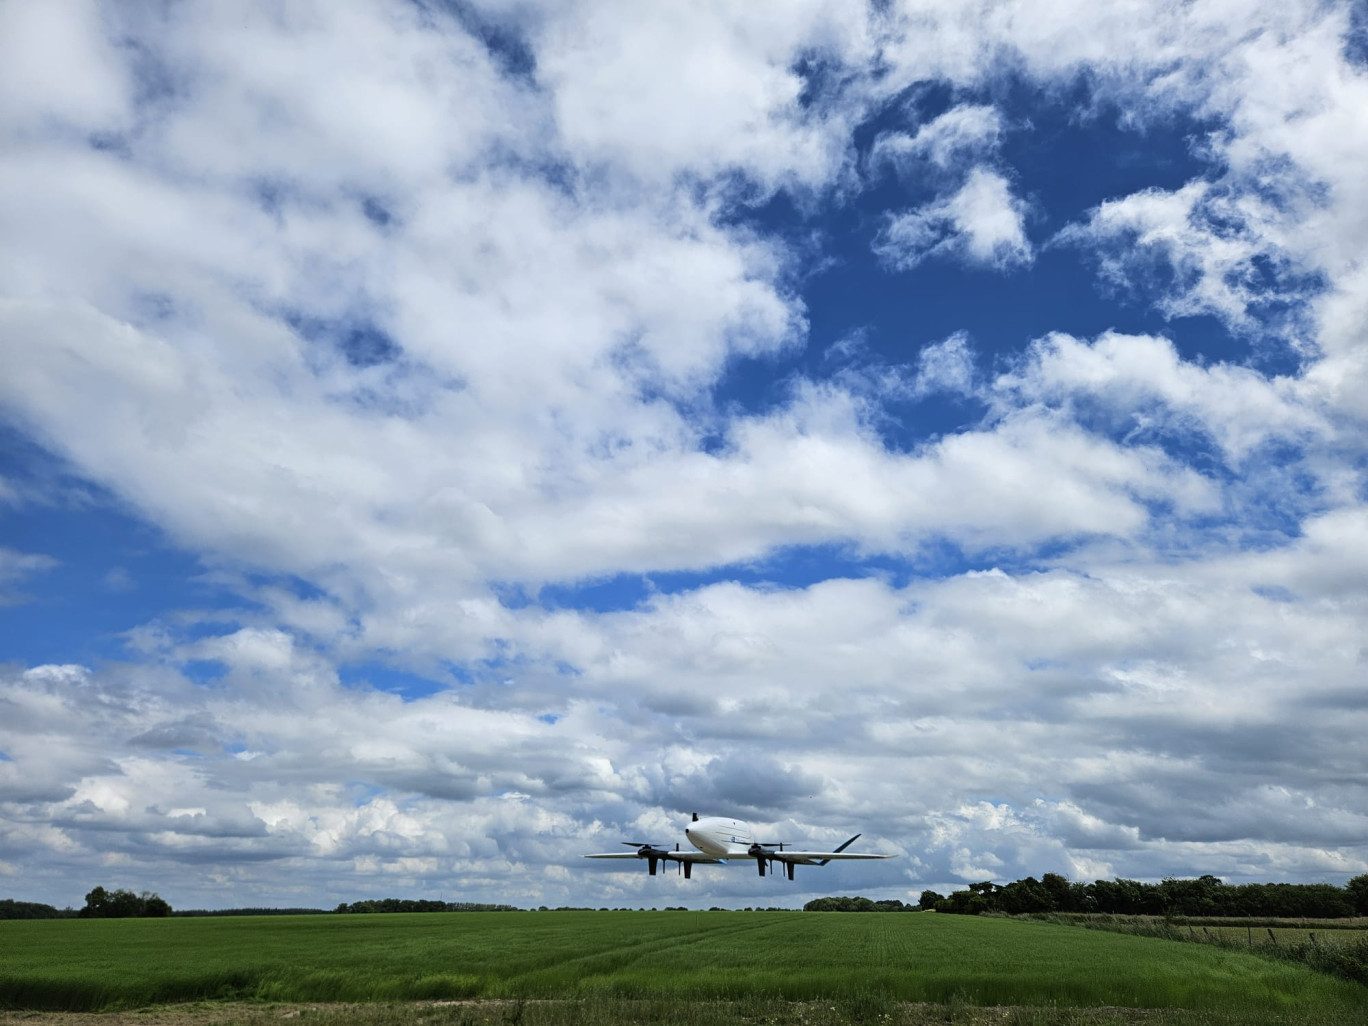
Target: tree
pixel 1358 893
pixel 121 904
pixel 97 905
pixel 1067 897
pixel 1027 895
pixel 965 903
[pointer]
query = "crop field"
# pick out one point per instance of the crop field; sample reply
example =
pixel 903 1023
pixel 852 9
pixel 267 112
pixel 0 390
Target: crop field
pixel 882 964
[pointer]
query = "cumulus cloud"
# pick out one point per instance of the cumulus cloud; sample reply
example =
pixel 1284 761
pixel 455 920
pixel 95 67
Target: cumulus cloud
pixel 1203 251
pixel 1143 380
pixel 1117 692
pixel 982 224
pixel 702 90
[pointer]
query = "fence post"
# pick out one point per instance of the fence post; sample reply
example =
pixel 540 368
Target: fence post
pixel 1271 936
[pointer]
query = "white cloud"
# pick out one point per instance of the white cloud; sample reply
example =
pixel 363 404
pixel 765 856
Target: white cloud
pixel 946 366
pixel 702 89
pixel 966 133
pixel 1143 380
pixel 982 224
pixel 1210 243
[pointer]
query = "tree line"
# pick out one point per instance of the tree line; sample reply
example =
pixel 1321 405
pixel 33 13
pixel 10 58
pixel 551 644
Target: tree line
pixel 122 904
pixel 1204 896
pixel 858 905
pixel 11 909
pixel 420 905
pixel 100 904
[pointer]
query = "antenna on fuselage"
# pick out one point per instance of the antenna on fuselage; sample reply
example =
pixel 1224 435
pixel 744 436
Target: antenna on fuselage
pixel 695 817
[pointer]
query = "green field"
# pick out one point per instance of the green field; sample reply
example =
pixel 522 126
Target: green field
pixel 87 965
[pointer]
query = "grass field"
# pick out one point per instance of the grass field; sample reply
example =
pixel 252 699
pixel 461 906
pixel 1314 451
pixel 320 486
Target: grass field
pixel 873 961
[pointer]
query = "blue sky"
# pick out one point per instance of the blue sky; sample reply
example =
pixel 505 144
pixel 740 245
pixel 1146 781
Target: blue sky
pixel 439 440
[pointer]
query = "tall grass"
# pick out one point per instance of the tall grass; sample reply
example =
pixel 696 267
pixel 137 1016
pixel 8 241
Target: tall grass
pixel 1344 956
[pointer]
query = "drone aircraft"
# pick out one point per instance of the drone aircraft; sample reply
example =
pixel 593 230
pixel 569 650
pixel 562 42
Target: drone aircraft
pixel 717 840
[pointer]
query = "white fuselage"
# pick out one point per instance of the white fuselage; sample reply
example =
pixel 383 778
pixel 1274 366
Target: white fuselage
pixel 720 837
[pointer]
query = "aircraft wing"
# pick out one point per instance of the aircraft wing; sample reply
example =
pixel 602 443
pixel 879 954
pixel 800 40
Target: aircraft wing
pixel 819 858
pixel 670 856
pixel 665 855
pixel 655 856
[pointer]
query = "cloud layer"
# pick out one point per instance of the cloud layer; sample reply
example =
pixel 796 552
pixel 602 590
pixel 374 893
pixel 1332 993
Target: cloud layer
pixel 467 357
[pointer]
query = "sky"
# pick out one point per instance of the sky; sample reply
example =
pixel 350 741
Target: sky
pixel 440 439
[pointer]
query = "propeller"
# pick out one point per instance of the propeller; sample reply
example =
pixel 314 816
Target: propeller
pixel 650 853
pixel 765 853
pixel 655 855
pixel 761 853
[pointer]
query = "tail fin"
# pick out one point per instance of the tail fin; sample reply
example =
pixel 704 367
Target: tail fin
pixel 823 862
